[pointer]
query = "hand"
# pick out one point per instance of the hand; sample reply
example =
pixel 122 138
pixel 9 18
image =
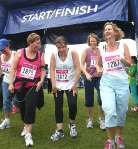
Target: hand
pixel 88 77
pixel 99 74
pixel 74 89
pixel 54 89
pixel 39 85
pixel 99 69
pixel 11 88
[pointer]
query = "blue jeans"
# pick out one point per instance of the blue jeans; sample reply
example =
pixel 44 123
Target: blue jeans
pixel 7 106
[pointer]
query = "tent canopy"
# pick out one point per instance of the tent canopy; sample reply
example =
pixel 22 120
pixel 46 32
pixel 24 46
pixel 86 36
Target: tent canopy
pixel 64 13
pixel 14 4
pixel 63 17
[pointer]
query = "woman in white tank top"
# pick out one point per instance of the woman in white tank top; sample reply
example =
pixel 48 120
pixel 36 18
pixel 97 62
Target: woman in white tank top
pixel 114 89
pixel 6 60
pixel 65 73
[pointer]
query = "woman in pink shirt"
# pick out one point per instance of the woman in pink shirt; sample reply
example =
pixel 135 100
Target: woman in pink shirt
pixel 27 72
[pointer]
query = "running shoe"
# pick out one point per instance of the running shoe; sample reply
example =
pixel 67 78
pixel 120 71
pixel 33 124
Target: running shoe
pixel 28 140
pixel 119 142
pixel 23 133
pixel 5 124
pixel 89 123
pixel 102 124
pixel 109 144
pixel 57 135
pixel 73 130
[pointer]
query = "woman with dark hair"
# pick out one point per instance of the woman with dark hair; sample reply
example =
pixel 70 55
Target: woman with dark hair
pixel 65 74
pixel 92 79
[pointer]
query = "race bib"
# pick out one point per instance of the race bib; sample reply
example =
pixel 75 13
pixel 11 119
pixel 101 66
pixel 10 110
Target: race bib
pixel 62 75
pixel 112 63
pixel 28 71
pixel 5 68
pixel 93 61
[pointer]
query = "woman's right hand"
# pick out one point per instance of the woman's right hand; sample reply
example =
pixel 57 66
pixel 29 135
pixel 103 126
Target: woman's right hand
pixel 88 77
pixel 11 88
pixel 54 89
pixel 99 69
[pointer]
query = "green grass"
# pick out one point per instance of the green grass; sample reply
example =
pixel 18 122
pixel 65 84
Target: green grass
pixel 45 125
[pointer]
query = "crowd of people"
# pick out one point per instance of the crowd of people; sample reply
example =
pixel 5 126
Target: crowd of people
pixel 105 69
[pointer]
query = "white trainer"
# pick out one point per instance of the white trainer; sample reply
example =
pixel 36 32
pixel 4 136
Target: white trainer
pixel 28 139
pixel 73 130
pixel 89 123
pixel 23 133
pixel 102 124
pixel 5 124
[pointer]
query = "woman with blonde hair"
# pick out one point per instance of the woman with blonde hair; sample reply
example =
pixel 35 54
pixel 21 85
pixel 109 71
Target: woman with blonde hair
pixel 114 88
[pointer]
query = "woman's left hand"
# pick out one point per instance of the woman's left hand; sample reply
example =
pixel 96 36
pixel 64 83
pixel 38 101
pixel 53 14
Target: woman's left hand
pixel 74 89
pixel 39 85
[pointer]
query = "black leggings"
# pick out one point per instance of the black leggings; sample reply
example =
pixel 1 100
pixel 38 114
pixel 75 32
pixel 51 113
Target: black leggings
pixel 27 107
pixel 72 104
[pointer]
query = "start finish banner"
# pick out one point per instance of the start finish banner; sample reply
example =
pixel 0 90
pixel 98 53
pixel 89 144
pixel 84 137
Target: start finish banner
pixel 63 13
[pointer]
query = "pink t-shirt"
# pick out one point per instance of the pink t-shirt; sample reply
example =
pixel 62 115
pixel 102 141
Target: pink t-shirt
pixel 90 60
pixel 28 69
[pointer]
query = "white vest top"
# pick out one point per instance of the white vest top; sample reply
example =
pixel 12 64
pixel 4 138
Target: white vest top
pixel 64 72
pixel 6 67
pixel 111 66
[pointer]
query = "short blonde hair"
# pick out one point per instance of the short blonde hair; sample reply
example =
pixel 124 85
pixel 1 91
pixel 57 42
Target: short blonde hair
pixel 92 35
pixel 32 38
pixel 118 31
